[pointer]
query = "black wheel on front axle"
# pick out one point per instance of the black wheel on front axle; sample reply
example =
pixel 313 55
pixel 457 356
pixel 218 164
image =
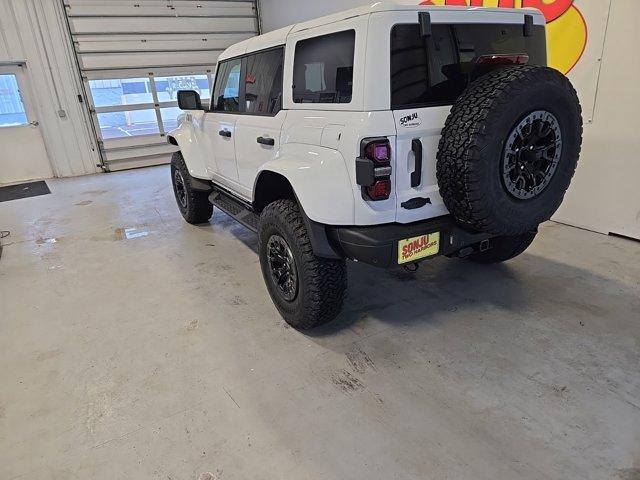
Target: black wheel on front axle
pixel 194 205
pixel 307 290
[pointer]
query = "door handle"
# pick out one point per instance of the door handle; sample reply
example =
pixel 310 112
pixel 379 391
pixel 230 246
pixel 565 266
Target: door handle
pixel 416 175
pixel 225 133
pixel 34 123
pixel 266 141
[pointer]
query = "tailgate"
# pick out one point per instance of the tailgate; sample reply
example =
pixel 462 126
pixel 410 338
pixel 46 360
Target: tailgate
pixel 416 187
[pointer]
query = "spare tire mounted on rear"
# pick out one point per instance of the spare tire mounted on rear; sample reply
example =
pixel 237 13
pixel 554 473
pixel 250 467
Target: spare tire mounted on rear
pixel 509 149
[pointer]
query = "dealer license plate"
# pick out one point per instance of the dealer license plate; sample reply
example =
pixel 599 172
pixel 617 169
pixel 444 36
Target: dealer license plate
pixel 415 248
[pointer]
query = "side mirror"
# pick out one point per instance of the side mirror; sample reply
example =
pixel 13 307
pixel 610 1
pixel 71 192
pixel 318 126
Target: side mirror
pixel 189 100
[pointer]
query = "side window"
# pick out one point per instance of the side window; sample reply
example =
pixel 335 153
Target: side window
pixel 263 82
pixel 323 68
pixel 437 71
pixel 12 112
pixel 226 92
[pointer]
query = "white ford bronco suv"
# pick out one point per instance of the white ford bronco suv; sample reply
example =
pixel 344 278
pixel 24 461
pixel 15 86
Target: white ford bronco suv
pixel 386 134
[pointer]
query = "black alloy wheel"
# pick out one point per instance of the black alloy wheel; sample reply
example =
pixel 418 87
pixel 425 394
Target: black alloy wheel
pixel 531 155
pixel 180 189
pixel 282 267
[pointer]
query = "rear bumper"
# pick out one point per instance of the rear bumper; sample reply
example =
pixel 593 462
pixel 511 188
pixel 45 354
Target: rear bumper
pixel 378 245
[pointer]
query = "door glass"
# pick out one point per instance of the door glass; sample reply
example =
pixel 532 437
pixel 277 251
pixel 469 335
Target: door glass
pixel 121 91
pixel 263 82
pixel 323 68
pixel 128 124
pixel 12 111
pixel 226 92
pixel 437 71
pixel 167 87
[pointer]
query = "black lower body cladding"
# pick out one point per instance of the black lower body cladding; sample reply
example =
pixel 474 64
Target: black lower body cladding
pixel 509 149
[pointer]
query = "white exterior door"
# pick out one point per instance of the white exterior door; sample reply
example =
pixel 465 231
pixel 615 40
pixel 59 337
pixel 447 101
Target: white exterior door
pixel 417 142
pixel 257 140
pixel 258 129
pixel 221 128
pixel 427 76
pixel 220 124
pixel 23 155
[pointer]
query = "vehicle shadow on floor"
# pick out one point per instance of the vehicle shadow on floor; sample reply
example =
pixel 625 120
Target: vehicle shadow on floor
pixel 398 297
pixel 242 233
pixel 444 288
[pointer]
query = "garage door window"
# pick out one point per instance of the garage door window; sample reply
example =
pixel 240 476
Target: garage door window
pixel 170 117
pixel 12 113
pixel 139 106
pixel 263 82
pixel 323 69
pixel 227 90
pixel 124 91
pixel 131 123
pixel 168 87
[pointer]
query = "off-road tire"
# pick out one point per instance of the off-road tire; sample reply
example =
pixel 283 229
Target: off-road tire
pixel 504 248
pixel 471 149
pixel 195 206
pixel 322 282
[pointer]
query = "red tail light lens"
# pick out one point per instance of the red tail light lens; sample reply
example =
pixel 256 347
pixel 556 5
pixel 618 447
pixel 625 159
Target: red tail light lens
pixel 380 190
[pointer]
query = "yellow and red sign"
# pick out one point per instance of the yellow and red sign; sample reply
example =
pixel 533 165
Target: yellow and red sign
pixel 415 248
pixel 566 28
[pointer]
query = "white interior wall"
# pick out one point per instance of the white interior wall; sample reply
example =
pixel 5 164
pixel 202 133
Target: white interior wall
pixel 604 197
pixel 605 193
pixel 34 31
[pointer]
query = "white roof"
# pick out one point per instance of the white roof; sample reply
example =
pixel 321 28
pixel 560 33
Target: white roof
pixel 279 37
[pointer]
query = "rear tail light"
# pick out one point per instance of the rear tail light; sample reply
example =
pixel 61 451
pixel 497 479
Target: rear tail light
pixel 380 190
pixel 378 151
pixel 373 168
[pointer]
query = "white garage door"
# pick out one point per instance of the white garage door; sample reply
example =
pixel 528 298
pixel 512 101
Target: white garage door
pixel 134 55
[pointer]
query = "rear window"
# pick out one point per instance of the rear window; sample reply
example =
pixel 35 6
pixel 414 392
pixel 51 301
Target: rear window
pixel 323 68
pixel 436 71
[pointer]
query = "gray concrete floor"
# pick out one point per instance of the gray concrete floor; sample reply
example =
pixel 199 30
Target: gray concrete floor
pixel 135 346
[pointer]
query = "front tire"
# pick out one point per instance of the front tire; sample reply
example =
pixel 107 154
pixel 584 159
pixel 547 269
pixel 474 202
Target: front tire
pixel 504 248
pixel 194 205
pixel 307 290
